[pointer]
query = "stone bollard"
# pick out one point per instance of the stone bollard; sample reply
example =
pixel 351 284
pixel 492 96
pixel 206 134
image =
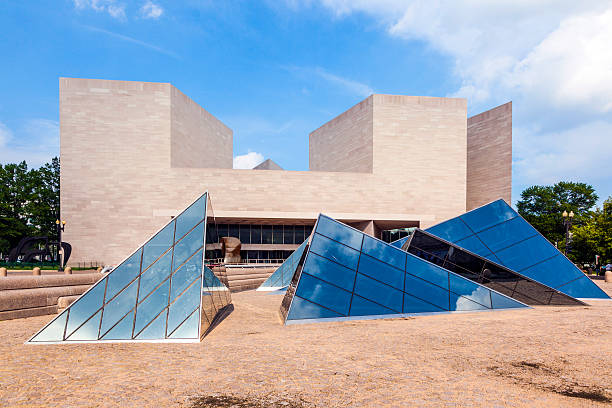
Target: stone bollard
pixel 67 270
pixel 3 271
pixel 36 271
pixel 608 276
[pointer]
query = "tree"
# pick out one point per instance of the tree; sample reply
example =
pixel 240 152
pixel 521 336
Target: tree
pixel 43 208
pixel 14 195
pixel 595 236
pixel 29 202
pixel 542 207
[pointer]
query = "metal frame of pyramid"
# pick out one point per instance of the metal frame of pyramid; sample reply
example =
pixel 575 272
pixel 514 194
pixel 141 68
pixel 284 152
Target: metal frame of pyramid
pixel 161 292
pixel 348 275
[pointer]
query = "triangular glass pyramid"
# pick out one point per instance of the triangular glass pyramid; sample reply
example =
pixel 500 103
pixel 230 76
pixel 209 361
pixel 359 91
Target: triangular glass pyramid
pixel 482 271
pixel 281 278
pixel 348 274
pixel 159 282
pixel 497 232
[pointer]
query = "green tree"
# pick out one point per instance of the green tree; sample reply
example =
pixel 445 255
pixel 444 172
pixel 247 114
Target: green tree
pixel 43 208
pixel 29 202
pixel 594 237
pixel 542 207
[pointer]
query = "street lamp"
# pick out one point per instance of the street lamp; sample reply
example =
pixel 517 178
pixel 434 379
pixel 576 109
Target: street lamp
pixel 60 228
pixel 567 222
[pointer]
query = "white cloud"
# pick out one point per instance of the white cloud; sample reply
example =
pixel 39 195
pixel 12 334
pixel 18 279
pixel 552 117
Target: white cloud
pixel 551 57
pixel 151 10
pixel 248 161
pixel 114 9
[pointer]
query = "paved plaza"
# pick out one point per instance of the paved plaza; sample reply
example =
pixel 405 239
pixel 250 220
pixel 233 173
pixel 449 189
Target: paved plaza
pixel 546 356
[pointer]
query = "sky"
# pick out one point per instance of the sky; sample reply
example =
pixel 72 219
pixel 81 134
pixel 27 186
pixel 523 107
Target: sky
pixel 275 70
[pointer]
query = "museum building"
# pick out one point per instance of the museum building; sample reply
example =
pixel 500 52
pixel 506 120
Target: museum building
pixel 133 154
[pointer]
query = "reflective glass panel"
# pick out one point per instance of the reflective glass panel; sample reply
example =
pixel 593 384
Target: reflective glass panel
pixel 330 271
pixel 470 290
pixel 184 305
pixel 426 291
pixel 155 274
pixel 400 242
pixel 303 309
pixel 503 302
pixel 526 253
pixel 288 235
pixel 451 230
pixel 322 293
pixel 266 234
pixel 381 271
pixel 255 234
pixel 384 252
pixel 151 306
pixel 188 245
pixel 88 331
pixel 245 234
pixel 474 245
pixel 364 307
pixel 414 305
pixel 123 274
pixel 339 232
pixel 427 271
pixel 55 330
pixel 158 245
pixel 336 252
pixel 190 271
pixel 119 306
pixel 156 330
pixel 378 292
pixel 460 303
pixel 554 272
pixel 85 306
pixel 506 234
pixel 429 244
pixel 488 215
pixel 189 328
pixel 277 234
pixel 466 261
pixel 123 329
pixel 190 217
pixel 583 287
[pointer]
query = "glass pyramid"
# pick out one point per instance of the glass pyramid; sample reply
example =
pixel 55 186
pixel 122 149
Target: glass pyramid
pixel 347 274
pixel 497 232
pixel 281 278
pixel 161 292
pixel 483 271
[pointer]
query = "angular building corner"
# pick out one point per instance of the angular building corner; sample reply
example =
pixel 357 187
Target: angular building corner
pixel 163 291
pixel 347 274
pixel 497 232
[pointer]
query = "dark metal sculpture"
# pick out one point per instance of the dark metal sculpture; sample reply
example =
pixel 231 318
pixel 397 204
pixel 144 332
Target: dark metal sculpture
pixel 31 247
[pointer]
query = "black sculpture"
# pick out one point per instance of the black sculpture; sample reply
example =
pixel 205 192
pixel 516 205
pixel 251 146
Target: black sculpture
pixel 31 247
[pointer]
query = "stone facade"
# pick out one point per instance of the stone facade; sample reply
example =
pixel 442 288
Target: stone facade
pixel 125 169
pixel 489 156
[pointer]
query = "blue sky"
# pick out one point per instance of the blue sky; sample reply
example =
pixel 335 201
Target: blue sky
pixel 273 71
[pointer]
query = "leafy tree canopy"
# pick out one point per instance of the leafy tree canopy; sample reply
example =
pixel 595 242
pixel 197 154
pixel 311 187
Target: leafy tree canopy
pixel 29 202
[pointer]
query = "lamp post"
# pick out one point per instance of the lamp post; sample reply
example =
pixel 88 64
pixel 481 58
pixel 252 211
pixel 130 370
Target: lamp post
pixel 60 228
pixel 567 222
